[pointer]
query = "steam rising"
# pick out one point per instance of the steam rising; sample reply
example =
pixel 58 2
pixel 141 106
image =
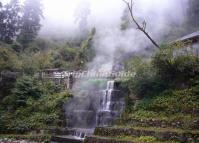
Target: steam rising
pixel 159 15
pixel 76 17
pixel 79 16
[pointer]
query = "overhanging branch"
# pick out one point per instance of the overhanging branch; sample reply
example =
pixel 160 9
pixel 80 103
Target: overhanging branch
pixel 140 27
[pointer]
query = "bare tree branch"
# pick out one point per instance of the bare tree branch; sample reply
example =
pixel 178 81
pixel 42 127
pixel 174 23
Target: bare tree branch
pixel 141 28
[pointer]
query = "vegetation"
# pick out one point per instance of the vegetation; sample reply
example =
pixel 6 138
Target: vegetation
pixel 32 106
pixel 170 68
pixel 165 88
pixel 28 137
pixel 27 102
pixel 164 91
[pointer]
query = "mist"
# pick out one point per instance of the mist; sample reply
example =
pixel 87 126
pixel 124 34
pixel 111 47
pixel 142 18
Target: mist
pixel 66 18
pixel 77 17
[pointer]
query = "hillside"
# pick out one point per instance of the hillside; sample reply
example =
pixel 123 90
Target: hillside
pixel 42 99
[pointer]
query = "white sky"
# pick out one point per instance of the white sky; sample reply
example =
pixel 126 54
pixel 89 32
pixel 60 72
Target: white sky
pixel 62 13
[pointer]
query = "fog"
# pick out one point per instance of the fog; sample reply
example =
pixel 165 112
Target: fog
pixel 61 15
pixel 65 16
pixel 75 17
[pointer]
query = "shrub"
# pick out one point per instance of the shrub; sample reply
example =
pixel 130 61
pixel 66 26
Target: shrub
pixel 37 114
pixel 172 102
pixel 176 69
pixel 27 87
pixel 147 139
pixel 8 59
pixel 146 82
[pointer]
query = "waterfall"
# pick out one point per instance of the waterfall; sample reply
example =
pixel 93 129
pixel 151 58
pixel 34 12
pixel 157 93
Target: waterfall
pixel 81 133
pixel 111 105
pixel 110 85
pixel 99 108
pixel 106 100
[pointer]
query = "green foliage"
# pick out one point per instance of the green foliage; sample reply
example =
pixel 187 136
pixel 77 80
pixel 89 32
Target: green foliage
pixel 64 57
pixel 86 53
pixel 28 64
pixel 172 105
pixel 41 108
pixel 179 101
pixel 176 66
pixel 51 88
pixel 42 60
pixel 10 21
pixel 26 87
pixel 29 137
pixel 167 86
pixel 71 57
pixel 21 21
pixel 147 139
pixel 146 82
pixel 30 24
pixel 8 59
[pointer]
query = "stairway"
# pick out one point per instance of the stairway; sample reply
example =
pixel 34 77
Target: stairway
pixel 66 135
pixel 139 131
pixel 85 112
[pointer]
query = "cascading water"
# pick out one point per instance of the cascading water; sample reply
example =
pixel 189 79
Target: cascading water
pixel 111 105
pixel 97 108
pixel 106 100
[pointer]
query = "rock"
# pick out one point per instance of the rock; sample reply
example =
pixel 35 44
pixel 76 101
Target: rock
pixel 163 126
pixel 190 140
pixel 197 140
pixel 173 124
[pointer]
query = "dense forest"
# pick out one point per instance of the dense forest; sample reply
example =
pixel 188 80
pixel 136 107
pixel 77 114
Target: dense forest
pixel 166 85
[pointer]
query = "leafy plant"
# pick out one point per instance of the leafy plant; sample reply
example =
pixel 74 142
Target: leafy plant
pixel 26 87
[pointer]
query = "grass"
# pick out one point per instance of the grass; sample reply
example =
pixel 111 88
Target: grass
pixel 151 115
pixel 181 131
pixel 170 106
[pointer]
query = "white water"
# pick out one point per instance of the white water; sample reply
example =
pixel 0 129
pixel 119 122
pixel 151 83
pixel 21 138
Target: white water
pixel 79 134
pixel 106 110
pixel 82 133
pixel 106 101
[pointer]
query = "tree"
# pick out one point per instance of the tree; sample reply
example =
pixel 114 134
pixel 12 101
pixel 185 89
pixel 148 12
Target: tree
pixel 27 86
pixel 85 53
pixel 9 21
pixel 8 59
pixel 31 18
pixel 126 23
pixel 1 20
pixel 139 26
pixel 193 13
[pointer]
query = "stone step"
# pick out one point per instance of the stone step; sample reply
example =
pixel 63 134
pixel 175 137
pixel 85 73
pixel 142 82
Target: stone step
pixel 163 134
pixel 126 139
pixel 97 139
pixel 158 123
pixel 59 131
pixel 66 139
